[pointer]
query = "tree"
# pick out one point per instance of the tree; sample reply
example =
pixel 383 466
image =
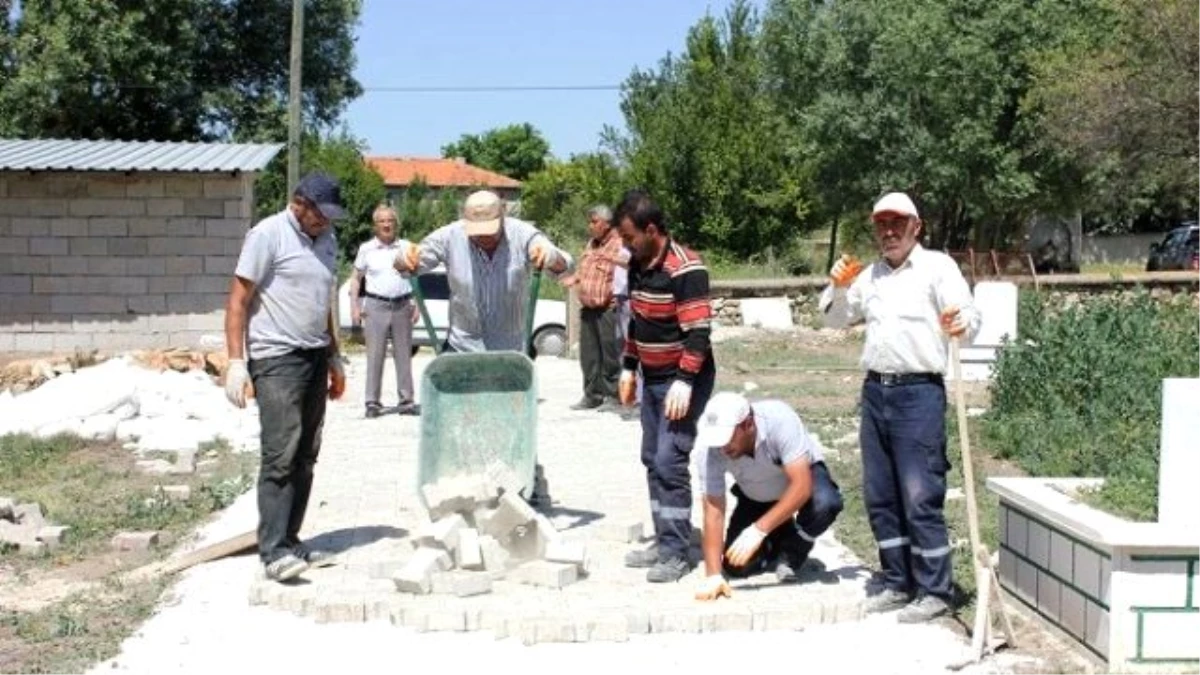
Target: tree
pixel 171 70
pixel 339 155
pixel 516 151
pixel 706 139
pixel 557 197
pixel 1120 106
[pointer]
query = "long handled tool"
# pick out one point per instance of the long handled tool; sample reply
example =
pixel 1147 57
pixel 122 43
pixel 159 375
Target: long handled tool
pixel 434 343
pixel 987 582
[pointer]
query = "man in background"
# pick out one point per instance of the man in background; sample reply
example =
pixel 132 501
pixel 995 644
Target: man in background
pixel 381 301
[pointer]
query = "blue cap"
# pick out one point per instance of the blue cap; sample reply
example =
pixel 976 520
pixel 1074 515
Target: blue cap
pixel 322 190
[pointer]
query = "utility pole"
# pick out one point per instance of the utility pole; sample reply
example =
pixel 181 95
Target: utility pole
pixel 293 174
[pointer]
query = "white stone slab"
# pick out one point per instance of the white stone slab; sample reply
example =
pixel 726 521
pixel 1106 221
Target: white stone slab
pixel 767 312
pixel 1179 455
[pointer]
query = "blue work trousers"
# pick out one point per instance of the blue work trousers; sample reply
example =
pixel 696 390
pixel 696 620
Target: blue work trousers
pixel 903 440
pixel 666 452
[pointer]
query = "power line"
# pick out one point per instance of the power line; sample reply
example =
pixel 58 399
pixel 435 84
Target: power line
pixel 486 88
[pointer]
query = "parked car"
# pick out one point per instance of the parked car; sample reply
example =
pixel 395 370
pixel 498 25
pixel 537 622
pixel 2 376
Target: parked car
pixel 549 318
pixel 1179 250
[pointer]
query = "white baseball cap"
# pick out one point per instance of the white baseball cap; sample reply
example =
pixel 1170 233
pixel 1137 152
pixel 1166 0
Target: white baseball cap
pixel 482 213
pixel 897 203
pixel 723 413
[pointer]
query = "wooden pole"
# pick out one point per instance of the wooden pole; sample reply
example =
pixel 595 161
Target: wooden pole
pixel 294 94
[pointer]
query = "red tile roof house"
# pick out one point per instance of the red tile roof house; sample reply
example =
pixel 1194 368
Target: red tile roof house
pixel 440 174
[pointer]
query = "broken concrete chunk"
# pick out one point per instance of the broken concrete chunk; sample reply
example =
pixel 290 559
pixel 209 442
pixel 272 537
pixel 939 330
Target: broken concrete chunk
pixel 467 554
pixel 29 515
pixel 458 494
pixel 6 508
pixel 511 513
pixel 52 535
pixel 155 467
pixel 482 516
pixel 185 462
pixel 442 533
pixel 416 575
pixel 13 533
pixel 135 541
pixel 461 584
pixel 31 548
pixel 567 553
pixel 545 573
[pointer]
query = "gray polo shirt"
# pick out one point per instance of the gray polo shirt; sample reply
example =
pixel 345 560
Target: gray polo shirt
pixel 781 440
pixel 293 276
pixel 489 295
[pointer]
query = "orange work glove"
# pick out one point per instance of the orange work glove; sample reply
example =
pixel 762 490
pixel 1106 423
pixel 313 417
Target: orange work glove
pixel 845 271
pixel 408 259
pixel 952 322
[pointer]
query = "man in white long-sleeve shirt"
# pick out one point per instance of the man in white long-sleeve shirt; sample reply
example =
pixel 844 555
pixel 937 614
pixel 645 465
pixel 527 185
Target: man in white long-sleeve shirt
pixel 912 300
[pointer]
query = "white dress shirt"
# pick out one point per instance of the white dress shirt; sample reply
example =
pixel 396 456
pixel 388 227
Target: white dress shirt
pixel 376 260
pixel 901 307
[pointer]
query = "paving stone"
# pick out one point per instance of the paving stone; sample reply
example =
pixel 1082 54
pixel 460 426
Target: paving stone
pixel 155 467
pixel 625 533
pixel 544 573
pixel 608 628
pixel 546 630
pixel 299 600
pixel 467 555
pixel 185 462
pixel 29 515
pixel 177 493
pixel 443 619
pixel 461 584
pixel 340 608
pixel 727 619
pixel 568 553
pixel 52 535
pixel 441 533
pixel 495 556
pixel 385 569
pixel 135 541
pixel 511 513
pixel 788 619
pixel 415 576
pixel 676 621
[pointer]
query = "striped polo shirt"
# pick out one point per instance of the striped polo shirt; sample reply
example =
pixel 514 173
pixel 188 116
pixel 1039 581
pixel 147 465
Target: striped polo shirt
pixel 671 323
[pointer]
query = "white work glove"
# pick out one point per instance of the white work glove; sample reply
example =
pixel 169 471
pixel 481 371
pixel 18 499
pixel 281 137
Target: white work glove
pixel 627 388
pixel 679 399
pixel 236 379
pixel 713 587
pixel 743 548
pixel 542 255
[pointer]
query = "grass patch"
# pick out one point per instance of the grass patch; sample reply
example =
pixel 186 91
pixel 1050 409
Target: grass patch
pixel 96 490
pixel 71 635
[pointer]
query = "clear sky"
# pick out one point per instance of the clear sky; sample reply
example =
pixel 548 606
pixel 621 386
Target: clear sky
pixel 518 43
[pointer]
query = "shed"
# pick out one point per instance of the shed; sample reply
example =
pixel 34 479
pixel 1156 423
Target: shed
pixel 121 244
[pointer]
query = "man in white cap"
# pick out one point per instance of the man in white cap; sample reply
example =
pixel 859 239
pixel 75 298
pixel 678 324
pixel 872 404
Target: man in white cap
pixel 785 495
pixel 488 257
pixel 913 300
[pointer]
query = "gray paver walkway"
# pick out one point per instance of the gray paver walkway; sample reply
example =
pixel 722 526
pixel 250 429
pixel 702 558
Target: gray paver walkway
pixel 365 506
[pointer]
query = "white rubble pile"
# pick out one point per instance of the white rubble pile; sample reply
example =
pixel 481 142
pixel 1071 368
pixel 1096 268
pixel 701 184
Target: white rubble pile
pixel 121 400
pixel 479 532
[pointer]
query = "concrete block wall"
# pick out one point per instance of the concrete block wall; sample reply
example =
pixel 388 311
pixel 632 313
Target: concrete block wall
pixel 117 261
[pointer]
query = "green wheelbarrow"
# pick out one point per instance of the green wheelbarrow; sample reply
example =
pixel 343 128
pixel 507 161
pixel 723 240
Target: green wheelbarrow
pixel 479 412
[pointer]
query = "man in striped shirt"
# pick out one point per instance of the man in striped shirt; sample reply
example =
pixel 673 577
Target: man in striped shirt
pixel 668 340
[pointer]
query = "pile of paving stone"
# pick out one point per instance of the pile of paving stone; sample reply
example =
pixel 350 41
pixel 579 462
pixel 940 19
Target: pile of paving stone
pixel 25 527
pixel 479 532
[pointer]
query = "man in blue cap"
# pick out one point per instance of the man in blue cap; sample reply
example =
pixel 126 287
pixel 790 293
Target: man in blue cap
pixel 279 315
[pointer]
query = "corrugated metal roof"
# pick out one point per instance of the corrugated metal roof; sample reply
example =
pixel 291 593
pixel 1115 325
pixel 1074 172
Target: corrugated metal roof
pixel 69 155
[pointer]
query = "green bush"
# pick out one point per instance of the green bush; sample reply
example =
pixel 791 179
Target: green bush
pixel 1079 393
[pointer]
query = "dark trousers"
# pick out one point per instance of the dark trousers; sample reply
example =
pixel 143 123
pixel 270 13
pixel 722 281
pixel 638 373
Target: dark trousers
pixel 383 319
pixel 291 391
pixel 666 451
pixel 903 439
pixel 793 540
pixel 599 353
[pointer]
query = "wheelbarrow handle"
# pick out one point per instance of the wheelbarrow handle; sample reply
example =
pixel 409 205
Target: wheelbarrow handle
pixel 434 344
pixel 535 288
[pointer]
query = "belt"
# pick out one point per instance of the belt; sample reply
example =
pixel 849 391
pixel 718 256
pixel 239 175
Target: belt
pixel 380 298
pixel 894 379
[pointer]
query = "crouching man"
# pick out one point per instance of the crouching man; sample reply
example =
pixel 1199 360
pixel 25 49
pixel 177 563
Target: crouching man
pixel 785 495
